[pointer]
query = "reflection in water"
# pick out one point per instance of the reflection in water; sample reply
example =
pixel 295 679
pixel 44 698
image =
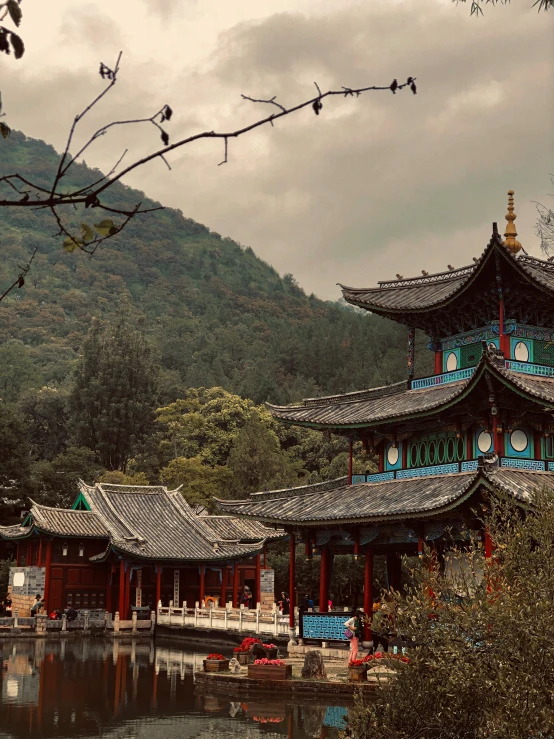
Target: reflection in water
pixel 139 689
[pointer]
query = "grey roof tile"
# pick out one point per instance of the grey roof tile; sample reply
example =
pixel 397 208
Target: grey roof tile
pixel 382 501
pixel 425 292
pixel 67 522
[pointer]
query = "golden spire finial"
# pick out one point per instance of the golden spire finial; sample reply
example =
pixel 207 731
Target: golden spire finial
pixel 510 234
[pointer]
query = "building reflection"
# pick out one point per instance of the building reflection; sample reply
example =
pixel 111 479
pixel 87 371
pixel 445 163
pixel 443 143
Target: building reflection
pixel 90 687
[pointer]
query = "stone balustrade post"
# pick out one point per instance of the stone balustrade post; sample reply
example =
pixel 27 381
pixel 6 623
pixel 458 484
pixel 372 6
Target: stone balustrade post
pixel 16 618
pixel 116 623
pixel 64 622
pixel 40 621
pixel 152 621
pixel 134 620
pixel 86 620
pixel 184 618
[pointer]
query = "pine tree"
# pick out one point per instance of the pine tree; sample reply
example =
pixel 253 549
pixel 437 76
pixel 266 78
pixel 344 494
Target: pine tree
pixel 113 399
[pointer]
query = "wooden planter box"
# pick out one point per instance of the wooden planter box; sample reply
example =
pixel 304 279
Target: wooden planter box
pixel 357 674
pixel 216 665
pixel 244 658
pixel 270 672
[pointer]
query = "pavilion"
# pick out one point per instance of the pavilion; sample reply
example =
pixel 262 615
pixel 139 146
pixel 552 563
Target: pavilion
pixel 122 546
pixel 443 444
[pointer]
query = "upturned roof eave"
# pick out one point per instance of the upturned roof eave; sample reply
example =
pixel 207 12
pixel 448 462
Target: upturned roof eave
pixel 489 478
pixel 353 296
pixel 474 479
pixel 486 364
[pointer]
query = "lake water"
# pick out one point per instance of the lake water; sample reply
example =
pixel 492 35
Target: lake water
pixel 97 688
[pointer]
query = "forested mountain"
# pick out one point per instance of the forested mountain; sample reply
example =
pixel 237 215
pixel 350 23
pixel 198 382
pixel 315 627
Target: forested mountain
pixel 216 313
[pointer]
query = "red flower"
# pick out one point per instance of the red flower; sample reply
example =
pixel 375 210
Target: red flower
pixel 215 656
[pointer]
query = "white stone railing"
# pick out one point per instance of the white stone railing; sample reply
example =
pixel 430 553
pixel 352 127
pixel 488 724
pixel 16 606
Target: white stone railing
pixel 253 620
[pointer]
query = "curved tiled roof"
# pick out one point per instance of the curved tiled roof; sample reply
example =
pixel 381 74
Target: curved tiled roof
pixel 361 502
pixel 420 294
pixel 15 532
pixel 389 500
pixel 369 408
pixel 67 522
pixel 227 528
pixel 151 522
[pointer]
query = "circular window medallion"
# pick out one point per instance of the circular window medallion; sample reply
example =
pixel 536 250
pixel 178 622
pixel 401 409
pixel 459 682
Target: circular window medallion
pixel 484 441
pixel 519 440
pixel 392 455
pixel 521 352
pixel 451 362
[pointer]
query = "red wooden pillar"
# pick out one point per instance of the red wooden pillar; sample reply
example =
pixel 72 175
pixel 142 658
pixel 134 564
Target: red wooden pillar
pixel 29 553
pixel 368 590
pixel 323 584
pixel 497 436
pixel 292 578
pixel 236 585
pixel 127 592
pixel 202 583
pixel 223 592
pixel 121 588
pixel 158 585
pixel 504 338
pixel 258 578
pixel 39 558
pixel 18 555
pixel 109 593
pixel 47 565
pixel 265 556
pixel 438 363
pixel 350 462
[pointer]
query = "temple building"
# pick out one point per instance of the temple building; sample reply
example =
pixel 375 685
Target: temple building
pixel 482 422
pixel 132 546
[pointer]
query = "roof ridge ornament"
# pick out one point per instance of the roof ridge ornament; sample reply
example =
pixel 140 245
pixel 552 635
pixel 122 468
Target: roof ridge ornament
pixel 511 243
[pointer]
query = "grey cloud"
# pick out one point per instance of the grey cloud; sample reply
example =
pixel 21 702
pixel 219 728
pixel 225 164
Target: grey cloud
pixel 371 187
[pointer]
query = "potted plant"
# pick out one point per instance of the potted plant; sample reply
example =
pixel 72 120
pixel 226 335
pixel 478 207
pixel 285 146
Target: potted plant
pixel 216 663
pixel 243 653
pixel 269 669
pixel 357 671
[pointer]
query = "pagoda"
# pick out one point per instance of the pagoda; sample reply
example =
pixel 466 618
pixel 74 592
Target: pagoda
pixel 482 422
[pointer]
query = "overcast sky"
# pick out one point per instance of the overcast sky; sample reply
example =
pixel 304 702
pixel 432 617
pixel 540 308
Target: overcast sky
pixel 373 186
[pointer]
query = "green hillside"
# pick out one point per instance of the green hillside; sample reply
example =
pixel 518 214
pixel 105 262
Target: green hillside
pixel 217 314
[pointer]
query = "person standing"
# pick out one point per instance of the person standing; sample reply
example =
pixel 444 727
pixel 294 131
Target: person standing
pixel 285 600
pixel 355 626
pixel 246 597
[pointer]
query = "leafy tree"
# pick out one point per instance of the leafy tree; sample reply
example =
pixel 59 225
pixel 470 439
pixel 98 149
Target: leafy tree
pixel 17 371
pixel 14 455
pixel 483 662
pixel 256 460
pixel 113 398
pixel 116 477
pixel 200 482
pixel 46 414
pixel 56 483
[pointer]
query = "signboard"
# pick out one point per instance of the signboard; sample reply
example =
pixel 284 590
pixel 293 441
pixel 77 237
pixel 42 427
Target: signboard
pixel 176 574
pixel 267 581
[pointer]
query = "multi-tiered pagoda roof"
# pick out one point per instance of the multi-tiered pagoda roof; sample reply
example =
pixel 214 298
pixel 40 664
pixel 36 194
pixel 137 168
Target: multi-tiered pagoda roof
pixel 483 421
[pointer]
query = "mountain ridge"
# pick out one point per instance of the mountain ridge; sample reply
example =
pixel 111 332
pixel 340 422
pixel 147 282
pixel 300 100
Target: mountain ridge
pixel 217 313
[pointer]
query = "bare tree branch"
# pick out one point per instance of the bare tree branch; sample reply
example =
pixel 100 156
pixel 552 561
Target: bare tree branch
pixel 55 199
pixel 20 280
